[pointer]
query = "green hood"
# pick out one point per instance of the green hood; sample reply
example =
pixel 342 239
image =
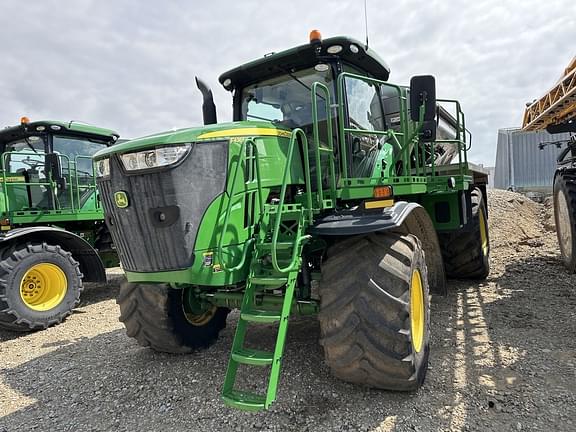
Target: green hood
pixel 204 133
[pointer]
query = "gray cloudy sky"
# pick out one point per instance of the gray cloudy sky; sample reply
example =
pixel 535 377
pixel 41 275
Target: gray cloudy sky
pixel 130 65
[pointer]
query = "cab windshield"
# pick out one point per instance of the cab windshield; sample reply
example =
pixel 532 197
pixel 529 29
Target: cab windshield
pixel 24 153
pixel 77 151
pixel 286 99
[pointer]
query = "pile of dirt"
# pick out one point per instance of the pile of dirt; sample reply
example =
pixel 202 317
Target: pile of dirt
pixel 515 219
pixel 548 214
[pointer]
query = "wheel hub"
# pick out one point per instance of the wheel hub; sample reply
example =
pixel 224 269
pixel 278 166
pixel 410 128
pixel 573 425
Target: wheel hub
pixel 201 319
pixel 43 287
pixel 196 312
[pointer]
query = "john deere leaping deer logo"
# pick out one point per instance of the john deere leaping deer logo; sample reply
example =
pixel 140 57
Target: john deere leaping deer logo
pixel 121 199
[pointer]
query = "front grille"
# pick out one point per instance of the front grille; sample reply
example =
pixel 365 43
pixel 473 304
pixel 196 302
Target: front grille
pixel 146 241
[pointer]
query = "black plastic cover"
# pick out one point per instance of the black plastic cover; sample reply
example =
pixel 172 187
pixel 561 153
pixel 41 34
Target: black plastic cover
pixel 353 222
pixel 157 231
pixel 305 56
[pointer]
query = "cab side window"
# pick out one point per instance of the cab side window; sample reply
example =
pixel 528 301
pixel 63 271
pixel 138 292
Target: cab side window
pixel 364 113
pixel 391 104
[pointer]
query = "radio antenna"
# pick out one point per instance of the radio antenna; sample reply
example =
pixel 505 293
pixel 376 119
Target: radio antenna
pixel 366 22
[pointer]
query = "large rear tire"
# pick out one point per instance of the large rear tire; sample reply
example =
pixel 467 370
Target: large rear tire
pixel 154 315
pixel 375 311
pixel 466 252
pixel 40 284
pixel 565 216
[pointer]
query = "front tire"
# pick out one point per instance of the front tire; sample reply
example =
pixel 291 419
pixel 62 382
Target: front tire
pixel 375 311
pixel 565 217
pixel 154 315
pixel 40 284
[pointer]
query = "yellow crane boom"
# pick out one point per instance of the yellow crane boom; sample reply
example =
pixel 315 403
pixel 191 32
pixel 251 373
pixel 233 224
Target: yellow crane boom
pixel 557 106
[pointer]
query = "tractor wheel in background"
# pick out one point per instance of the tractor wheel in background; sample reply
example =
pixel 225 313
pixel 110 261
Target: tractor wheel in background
pixel 466 252
pixel 375 311
pixel 565 216
pixel 154 315
pixel 40 284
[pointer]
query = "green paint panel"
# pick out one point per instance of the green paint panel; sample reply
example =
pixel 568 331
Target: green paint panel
pixel 205 133
pixel 444 210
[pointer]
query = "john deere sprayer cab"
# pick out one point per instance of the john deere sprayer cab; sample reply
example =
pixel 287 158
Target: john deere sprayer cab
pixel 52 232
pixel 331 193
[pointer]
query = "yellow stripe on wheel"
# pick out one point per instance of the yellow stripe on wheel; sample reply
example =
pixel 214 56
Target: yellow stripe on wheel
pixel 417 312
pixel 43 287
pixel 483 233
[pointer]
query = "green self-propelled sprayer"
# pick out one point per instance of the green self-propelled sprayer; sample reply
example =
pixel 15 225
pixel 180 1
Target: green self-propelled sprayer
pixel 53 236
pixel 332 192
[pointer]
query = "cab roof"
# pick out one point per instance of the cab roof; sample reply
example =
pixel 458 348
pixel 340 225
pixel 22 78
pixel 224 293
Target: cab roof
pixel 73 127
pixel 305 56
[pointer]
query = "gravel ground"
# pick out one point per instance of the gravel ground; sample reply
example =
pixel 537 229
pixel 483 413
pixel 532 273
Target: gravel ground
pixel 503 358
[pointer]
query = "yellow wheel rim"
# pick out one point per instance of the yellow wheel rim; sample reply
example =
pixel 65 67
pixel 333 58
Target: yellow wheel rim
pixel 43 287
pixel 194 312
pixel 417 313
pixel 200 319
pixel 483 233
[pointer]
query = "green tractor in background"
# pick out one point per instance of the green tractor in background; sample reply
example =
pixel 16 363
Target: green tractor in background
pixel 52 237
pixel 332 192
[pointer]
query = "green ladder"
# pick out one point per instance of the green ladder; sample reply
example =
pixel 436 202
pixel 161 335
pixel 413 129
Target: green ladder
pixel 266 274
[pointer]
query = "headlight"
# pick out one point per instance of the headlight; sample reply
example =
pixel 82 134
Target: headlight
pixel 154 158
pixel 102 167
pixel 334 49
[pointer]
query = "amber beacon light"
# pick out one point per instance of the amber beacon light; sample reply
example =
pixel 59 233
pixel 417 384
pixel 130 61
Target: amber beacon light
pixel 315 36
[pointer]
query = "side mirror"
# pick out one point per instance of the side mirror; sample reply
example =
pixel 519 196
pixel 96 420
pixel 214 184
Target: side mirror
pixel 423 92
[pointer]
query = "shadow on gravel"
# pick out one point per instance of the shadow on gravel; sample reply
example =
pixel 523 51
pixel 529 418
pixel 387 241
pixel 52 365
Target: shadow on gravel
pixel 109 383
pixel 489 371
pixel 93 293
pixel 98 292
pixel 541 314
pixel 6 335
pixel 509 360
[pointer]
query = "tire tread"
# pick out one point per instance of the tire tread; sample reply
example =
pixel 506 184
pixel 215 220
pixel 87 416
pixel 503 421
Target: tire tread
pixel 152 314
pixel 365 331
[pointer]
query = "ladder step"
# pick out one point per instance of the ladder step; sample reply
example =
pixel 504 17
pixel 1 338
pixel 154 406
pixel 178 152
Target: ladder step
pixel 261 316
pixel 291 215
pixel 253 357
pixel 273 281
pixel 279 246
pixel 244 400
pixel 286 214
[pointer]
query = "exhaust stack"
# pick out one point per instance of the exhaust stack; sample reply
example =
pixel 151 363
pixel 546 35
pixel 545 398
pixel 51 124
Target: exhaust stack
pixel 208 106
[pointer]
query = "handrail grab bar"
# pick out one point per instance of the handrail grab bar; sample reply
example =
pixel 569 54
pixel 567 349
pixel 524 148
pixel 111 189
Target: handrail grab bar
pixel 294 258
